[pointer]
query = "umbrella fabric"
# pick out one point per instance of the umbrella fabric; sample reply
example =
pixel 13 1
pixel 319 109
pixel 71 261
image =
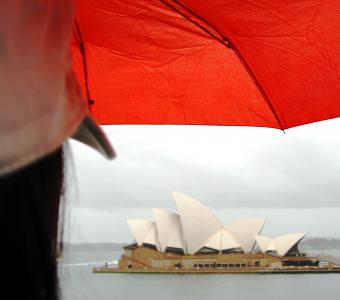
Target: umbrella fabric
pixel 269 63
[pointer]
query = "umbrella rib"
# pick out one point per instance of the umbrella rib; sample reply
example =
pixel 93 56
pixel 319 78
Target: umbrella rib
pixel 82 50
pixel 259 86
pixel 227 43
pixel 222 40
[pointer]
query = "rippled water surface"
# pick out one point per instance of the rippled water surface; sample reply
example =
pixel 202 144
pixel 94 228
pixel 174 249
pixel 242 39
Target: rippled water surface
pixel 78 282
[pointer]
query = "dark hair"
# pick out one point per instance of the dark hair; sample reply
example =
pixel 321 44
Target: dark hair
pixel 29 214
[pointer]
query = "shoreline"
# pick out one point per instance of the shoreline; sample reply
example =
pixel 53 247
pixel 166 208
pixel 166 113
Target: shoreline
pixel 302 270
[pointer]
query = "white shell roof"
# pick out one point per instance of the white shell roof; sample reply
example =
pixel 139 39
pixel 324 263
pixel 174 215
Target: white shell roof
pixel 144 231
pixel 244 231
pixel 221 240
pixel 281 244
pixel 286 242
pixel 228 241
pixel 198 222
pixel 264 243
pixel 169 229
pixel 152 238
pixel 196 227
pixel 272 246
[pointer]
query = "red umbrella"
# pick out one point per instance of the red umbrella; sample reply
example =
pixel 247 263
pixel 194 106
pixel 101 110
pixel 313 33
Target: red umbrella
pixel 271 63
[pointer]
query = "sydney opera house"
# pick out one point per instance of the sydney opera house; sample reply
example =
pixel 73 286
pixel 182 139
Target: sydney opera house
pixel 194 240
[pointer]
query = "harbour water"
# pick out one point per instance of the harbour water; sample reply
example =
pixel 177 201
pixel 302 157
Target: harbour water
pixel 78 282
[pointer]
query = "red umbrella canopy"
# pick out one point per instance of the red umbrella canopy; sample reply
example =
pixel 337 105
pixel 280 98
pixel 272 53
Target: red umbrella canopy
pixel 269 63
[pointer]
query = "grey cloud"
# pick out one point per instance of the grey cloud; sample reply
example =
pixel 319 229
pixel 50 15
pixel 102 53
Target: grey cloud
pixel 300 174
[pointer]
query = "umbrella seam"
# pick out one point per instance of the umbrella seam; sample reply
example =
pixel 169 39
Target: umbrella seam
pixel 82 50
pixel 227 43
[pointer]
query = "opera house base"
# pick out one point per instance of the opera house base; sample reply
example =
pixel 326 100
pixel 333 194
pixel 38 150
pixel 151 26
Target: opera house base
pixel 147 260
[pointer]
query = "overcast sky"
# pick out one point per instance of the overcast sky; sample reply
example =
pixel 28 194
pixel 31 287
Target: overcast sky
pixel 292 180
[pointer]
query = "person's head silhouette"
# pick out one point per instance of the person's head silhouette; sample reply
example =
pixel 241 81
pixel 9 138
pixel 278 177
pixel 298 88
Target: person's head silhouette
pixel 40 107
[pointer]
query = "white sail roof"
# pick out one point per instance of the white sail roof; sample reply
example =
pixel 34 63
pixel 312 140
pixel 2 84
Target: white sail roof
pixel 198 222
pixel 197 227
pixel 272 246
pixel 169 229
pixel 144 231
pixel 286 242
pixel 281 244
pixel 228 241
pixel 244 231
pixel 152 237
pixel 264 243
pixel 221 240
